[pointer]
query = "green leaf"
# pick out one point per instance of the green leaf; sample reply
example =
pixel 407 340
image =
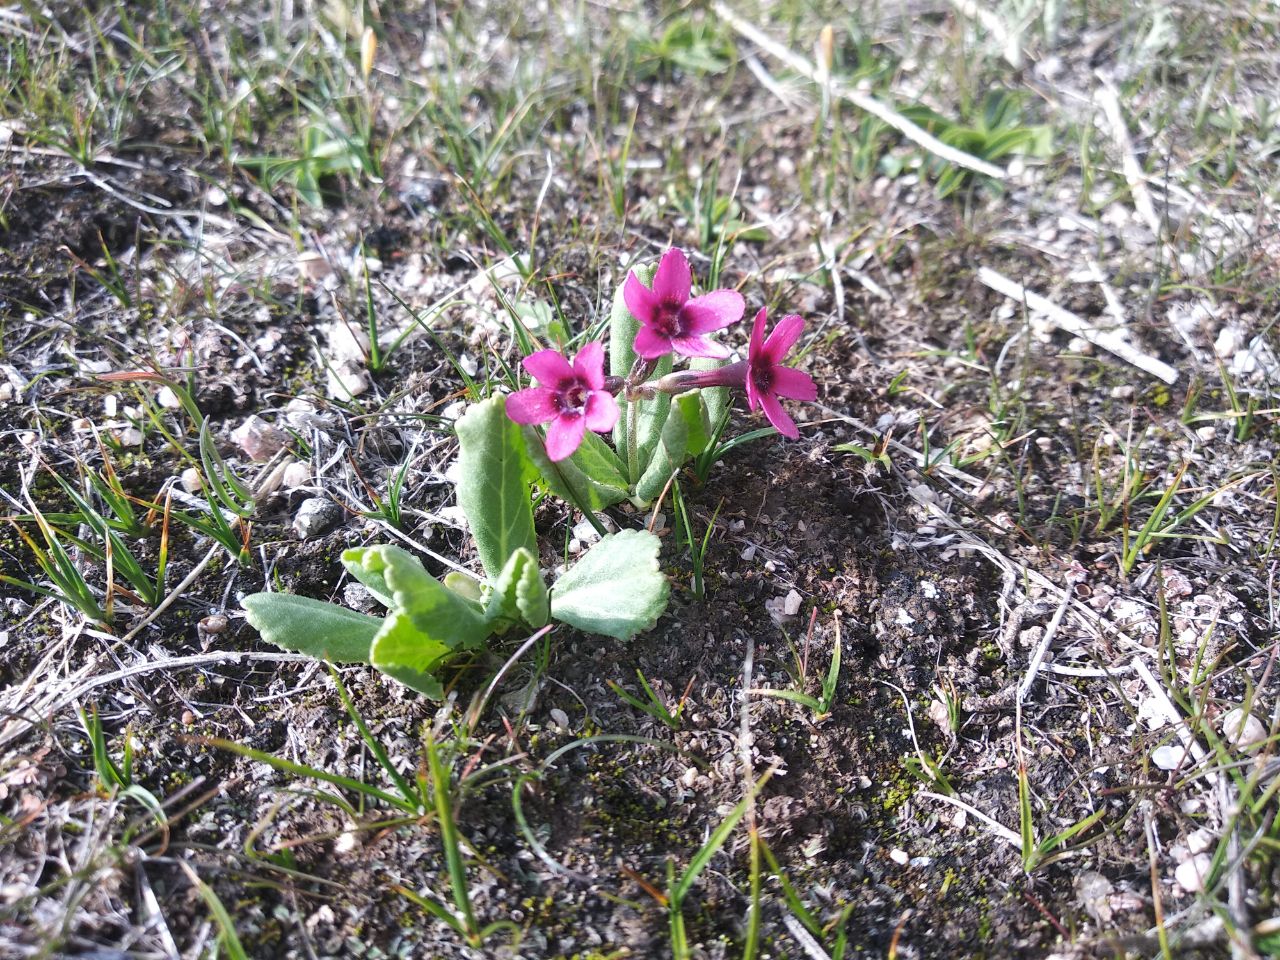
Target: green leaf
pixel 714 399
pixel 623 326
pixel 323 630
pixel 652 418
pixel 622 335
pixel 428 622
pixel 664 460
pixel 405 653
pixel 464 585
pixel 616 589
pixel 493 491
pixel 592 478
pixel 353 559
pixel 519 593
pixel 698 418
pixel 437 613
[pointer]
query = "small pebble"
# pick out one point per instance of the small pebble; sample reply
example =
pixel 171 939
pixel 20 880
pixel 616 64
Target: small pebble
pixel 1207 433
pixel 1168 757
pixel 1198 841
pixel 191 480
pixel 359 597
pixel 129 437
pixel 1093 891
pixel 791 605
pixel 315 515
pixel 166 398
pixel 313 266
pixel 258 439
pixel 584 531
pixel 1191 874
pixel 560 718
pixel 1242 729
pixel 899 857
pixel 214 624
pixel 346 380
pixel 296 474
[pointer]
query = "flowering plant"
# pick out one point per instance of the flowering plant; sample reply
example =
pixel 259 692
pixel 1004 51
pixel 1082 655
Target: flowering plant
pixel 659 417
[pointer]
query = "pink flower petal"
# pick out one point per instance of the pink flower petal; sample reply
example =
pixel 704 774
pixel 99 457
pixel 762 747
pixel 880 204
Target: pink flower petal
pixel 793 384
pixel 639 298
pixel 602 411
pixel 650 344
pixel 757 335
pixel 534 405
pixel 778 417
pixel 564 435
pixel 712 311
pixel 589 365
pixel 753 395
pixel 551 369
pixel 784 336
pixel 673 280
pixel 698 347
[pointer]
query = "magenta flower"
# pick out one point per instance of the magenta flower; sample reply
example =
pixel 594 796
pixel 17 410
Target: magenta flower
pixel 761 374
pixel 767 379
pixel 572 398
pixel 670 320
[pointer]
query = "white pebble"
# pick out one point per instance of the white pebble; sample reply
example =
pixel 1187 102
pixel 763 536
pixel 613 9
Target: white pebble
pixel 258 439
pixel 296 474
pixel 1190 875
pixel 166 398
pixel 899 857
pixel 1242 729
pixel 584 531
pixel 1167 756
pixel 791 605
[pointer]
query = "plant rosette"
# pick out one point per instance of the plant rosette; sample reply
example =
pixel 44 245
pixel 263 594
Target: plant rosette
pixel 616 588
pixel 659 418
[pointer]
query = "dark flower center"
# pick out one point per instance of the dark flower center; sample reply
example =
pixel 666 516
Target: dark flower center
pixel 666 318
pixel 762 377
pixel 573 399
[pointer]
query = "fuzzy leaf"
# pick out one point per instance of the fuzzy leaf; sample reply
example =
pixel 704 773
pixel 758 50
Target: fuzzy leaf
pixel 323 630
pixel 665 459
pixel 623 326
pixel 696 413
pixel 616 589
pixel 375 583
pixel 439 615
pixel 427 623
pixel 714 399
pixel 519 593
pixel 493 491
pixel 652 419
pixel 405 653
pixel 464 585
pixel 593 478
pixel 399 644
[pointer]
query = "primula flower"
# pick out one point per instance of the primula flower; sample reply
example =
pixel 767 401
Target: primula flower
pixel 767 379
pixel 572 398
pixel 762 374
pixel 670 320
